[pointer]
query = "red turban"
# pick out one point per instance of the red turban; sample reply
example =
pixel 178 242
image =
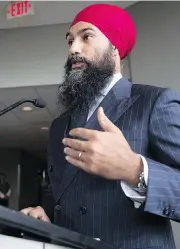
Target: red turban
pixel 115 23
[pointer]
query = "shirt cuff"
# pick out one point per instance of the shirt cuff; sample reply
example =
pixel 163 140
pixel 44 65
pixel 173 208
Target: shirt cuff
pixel 132 193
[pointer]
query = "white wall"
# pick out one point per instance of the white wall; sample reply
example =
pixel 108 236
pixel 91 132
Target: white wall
pixel 34 56
pixel 156 57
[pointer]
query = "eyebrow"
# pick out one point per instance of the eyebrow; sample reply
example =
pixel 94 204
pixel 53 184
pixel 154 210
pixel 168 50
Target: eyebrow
pixel 80 31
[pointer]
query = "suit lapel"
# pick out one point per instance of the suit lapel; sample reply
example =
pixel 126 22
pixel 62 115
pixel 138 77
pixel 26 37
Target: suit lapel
pixel 117 101
pixel 76 120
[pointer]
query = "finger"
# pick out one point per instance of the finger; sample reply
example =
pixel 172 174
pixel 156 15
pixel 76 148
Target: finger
pixel 35 213
pixel 41 217
pixel 105 123
pixel 45 218
pixel 73 153
pixel 83 133
pixel 26 211
pixel 78 163
pixel 75 144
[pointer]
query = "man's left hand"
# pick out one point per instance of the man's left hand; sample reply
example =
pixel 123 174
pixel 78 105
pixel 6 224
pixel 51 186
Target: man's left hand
pixel 105 153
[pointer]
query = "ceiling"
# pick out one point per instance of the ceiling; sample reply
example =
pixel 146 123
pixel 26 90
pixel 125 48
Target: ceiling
pixel 50 12
pixel 20 129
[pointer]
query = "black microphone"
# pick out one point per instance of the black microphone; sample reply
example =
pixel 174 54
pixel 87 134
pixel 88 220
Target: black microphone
pixel 40 103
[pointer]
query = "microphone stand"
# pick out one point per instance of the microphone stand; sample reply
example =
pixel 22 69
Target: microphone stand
pixel 16 104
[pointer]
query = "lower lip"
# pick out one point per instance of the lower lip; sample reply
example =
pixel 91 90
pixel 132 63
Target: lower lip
pixel 77 65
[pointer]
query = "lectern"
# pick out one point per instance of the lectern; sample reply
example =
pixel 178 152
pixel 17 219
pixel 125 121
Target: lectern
pixel 24 232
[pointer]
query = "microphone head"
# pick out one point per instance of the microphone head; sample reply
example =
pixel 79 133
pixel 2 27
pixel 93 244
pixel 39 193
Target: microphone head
pixel 40 103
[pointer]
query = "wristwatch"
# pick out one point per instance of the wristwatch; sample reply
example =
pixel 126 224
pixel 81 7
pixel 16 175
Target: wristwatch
pixel 142 183
pixel 141 187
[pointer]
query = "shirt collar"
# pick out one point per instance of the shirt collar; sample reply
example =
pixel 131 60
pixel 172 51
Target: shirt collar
pixel 113 81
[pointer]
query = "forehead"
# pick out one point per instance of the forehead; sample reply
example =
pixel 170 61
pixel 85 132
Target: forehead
pixel 81 27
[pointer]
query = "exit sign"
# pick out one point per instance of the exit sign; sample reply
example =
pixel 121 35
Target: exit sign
pixel 19 9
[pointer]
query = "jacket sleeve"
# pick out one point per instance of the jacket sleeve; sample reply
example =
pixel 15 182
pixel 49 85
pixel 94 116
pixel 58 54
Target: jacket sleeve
pixel 163 192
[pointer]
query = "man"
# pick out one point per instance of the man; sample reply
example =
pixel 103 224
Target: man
pixel 114 155
pixel 5 190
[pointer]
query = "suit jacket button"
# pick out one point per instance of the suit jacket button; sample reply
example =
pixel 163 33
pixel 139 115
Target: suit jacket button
pixel 83 210
pixel 172 212
pixel 57 207
pixel 50 168
pixel 166 211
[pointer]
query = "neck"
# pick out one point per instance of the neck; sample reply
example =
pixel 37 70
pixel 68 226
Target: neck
pixel 117 71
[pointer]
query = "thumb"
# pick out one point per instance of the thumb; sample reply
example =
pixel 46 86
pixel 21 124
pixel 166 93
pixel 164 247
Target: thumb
pixel 105 123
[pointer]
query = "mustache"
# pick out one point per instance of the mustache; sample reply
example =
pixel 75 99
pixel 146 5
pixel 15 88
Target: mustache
pixel 77 59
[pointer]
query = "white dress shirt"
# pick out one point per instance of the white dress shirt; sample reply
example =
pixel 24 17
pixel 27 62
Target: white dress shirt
pixel 129 191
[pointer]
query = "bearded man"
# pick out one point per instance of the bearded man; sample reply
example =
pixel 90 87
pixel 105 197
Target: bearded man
pixel 114 155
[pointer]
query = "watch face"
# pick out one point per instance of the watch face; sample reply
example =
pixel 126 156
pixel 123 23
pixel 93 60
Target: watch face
pixel 142 185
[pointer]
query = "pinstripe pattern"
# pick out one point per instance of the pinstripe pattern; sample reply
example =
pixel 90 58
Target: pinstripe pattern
pixel 148 117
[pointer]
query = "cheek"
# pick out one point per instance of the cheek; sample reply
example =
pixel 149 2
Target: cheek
pixel 92 49
pixel 89 52
pixel 94 54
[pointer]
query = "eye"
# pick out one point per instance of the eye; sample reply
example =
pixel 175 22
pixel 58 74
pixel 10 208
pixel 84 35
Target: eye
pixel 70 42
pixel 86 37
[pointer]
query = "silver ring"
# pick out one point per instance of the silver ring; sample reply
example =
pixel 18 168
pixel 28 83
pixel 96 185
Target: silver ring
pixel 80 154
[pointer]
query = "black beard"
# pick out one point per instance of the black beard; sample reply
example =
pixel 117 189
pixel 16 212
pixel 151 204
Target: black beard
pixel 81 87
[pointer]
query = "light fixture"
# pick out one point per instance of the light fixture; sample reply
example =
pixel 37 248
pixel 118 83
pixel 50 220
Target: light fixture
pixel 44 128
pixel 27 109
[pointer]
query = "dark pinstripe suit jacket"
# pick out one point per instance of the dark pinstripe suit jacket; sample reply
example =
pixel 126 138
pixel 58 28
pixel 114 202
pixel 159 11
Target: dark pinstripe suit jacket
pixel 149 118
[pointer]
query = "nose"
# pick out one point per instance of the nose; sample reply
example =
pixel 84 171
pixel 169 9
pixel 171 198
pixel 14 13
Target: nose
pixel 76 48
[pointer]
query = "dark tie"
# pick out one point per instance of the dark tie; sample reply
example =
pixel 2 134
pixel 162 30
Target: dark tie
pixel 78 119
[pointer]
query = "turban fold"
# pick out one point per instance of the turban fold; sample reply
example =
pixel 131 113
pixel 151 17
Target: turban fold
pixel 114 22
